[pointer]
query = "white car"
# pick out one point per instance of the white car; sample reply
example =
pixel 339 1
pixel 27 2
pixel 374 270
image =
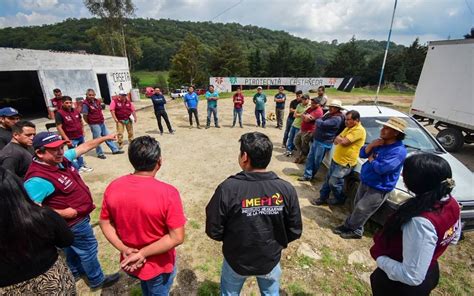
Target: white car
pixel 417 139
pixel 178 93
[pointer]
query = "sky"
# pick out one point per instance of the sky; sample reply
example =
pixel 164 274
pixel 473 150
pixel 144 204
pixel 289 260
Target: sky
pixel 318 20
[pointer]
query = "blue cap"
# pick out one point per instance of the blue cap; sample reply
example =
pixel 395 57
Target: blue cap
pixel 9 111
pixel 48 140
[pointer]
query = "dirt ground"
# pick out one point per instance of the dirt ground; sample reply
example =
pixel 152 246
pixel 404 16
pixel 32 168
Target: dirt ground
pixel 196 161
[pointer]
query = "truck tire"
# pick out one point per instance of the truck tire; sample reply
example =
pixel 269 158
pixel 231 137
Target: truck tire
pixel 351 184
pixel 453 139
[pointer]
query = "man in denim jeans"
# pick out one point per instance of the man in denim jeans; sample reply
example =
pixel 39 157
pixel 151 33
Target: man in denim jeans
pixel 53 181
pixel 346 152
pixel 259 99
pixel 212 96
pixel 92 113
pixel 255 214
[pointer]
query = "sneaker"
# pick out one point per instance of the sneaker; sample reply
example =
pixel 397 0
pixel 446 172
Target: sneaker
pixel 318 202
pixel 340 229
pixel 350 235
pixel 190 127
pixel 283 146
pixel 161 133
pixel 304 179
pixel 207 126
pixel 218 126
pixel 172 132
pixel 118 152
pixel 83 170
pixel 335 202
pixel 199 127
pixel 87 169
pixel 289 153
pixel 241 126
pixel 109 280
pixel 233 126
pixel 101 156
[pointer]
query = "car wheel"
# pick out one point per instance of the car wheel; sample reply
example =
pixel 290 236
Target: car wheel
pixel 351 184
pixel 453 139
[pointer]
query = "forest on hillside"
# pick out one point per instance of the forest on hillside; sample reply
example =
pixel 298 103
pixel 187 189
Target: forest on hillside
pixel 219 49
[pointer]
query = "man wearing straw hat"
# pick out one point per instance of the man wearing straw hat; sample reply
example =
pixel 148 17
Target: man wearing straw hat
pixel 379 175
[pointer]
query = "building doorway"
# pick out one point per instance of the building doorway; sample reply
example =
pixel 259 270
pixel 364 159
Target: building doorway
pixel 104 88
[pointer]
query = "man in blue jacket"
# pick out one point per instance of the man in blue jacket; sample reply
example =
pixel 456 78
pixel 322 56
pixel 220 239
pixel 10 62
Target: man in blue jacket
pixel 327 128
pixel 191 101
pixel 379 175
pixel 159 102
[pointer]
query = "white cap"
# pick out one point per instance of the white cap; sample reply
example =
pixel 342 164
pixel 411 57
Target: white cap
pixel 122 93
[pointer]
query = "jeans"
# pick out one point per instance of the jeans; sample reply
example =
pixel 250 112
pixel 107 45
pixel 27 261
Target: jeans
pixel 237 113
pixel 100 130
pixel 335 182
pixel 159 285
pixel 260 114
pixel 192 111
pixel 290 144
pixel 213 112
pixel 121 125
pixel 78 162
pixel 280 114
pixel 232 282
pixel 162 114
pixel 81 256
pixel 366 202
pixel 289 122
pixel 315 157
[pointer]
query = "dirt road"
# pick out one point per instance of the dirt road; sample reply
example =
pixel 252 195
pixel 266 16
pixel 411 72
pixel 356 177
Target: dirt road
pixel 196 161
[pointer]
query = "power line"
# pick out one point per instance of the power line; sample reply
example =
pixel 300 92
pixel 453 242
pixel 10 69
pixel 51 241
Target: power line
pixel 469 6
pixel 227 9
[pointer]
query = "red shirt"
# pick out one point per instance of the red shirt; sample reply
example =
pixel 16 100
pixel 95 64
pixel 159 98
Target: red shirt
pixel 238 100
pixel 309 126
pixel 142 209
pixel 57 103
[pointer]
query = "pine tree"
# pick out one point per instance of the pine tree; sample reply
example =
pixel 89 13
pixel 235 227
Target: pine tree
pixel 228 59
pixel 187 65
pixel 348 61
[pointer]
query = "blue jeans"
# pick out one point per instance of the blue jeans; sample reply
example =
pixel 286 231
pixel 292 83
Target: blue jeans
pixel 260 114
pixel 335 182
pixel 290 144
pixel 232 282
pixel 159 285
pixel 237 113
pixel 289 122
pixel 100 130
pixel 213 112
pixel 81 256
pixel 78 162
pixel 315 157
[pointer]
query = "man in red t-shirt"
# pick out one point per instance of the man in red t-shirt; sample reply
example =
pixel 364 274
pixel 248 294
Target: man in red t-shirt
pixel 57 100
pixel 304 136
pixel 143 218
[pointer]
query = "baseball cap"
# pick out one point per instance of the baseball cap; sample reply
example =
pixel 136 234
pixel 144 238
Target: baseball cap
pixel 9 111
pixel 259 87
pixel 317 100
pixel 122 93
pixel 48 140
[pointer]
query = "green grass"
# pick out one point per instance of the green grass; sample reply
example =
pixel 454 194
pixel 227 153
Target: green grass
pixel 194 224
pixel 328 260
pixel 369 92
pixel 149 78
pixel 136 291
pixel 304 261
pixel 297 289
pixel 208 288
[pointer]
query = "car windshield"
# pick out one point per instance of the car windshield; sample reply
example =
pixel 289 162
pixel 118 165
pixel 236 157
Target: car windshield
pixel 415 139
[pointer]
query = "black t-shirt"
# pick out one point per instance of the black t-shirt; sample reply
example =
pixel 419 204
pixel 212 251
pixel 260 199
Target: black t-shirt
pixel 293 104
pixel 5 137
pixel 45 252
pixel 16 158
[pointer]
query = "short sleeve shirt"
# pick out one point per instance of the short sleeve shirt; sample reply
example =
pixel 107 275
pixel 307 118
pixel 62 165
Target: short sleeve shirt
pixel 212 103
pixel 347 155
pixel 142 209
pixel 300 109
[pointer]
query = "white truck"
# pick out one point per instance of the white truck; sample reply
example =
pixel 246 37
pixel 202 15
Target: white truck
pixel 444 95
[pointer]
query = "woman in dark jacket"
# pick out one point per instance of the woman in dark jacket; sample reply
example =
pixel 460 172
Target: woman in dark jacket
pixel 408 247
pixel 29 238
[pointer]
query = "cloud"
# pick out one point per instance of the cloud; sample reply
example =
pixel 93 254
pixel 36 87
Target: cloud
pixel 316 20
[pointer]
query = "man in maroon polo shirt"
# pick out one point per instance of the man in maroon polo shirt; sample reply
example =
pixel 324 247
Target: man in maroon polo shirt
pixel 52 181
pixel 69 125
pixel 121 109
pixel 57 100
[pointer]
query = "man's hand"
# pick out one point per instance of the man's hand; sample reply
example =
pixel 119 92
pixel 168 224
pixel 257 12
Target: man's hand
pixel 377 143
pixel 371 158
pixel 111 137
pixel 67 213
pixel 133 262
pixel 337 140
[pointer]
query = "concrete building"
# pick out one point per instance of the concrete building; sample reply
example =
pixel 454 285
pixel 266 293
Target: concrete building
pixel 28 77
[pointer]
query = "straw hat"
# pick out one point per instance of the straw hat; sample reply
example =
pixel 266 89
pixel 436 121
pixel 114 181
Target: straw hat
pixel 395 123
pixel 335 103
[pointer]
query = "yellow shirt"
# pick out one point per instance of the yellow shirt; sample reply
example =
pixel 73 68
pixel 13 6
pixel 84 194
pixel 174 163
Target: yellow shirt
pixel 344 155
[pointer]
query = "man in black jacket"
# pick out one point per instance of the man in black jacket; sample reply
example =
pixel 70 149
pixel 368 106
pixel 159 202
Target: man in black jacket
pixel 255 214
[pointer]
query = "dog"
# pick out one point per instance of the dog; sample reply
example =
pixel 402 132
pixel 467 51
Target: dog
pixel 271 116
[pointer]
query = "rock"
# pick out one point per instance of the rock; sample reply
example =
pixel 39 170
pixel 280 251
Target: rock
pixel 361 258
pixel 365 276
pixel 305 250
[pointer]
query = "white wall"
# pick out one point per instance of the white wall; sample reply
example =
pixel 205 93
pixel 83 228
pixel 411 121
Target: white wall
pixel 73 73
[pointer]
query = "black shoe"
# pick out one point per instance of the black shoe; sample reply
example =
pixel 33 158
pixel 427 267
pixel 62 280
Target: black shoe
pixel 218 126
pixel 340 229
pixel 161 133
pixel 207 126
pixel 198 127
pixel 350 235
pixel 172 132
pixel 118 152
pixel 101 156
pixel 304 179
pixel 318 202
pixel 335 202
pixel 109 280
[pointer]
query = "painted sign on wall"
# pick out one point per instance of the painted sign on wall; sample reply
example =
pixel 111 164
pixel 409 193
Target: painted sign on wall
pixel 119 80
